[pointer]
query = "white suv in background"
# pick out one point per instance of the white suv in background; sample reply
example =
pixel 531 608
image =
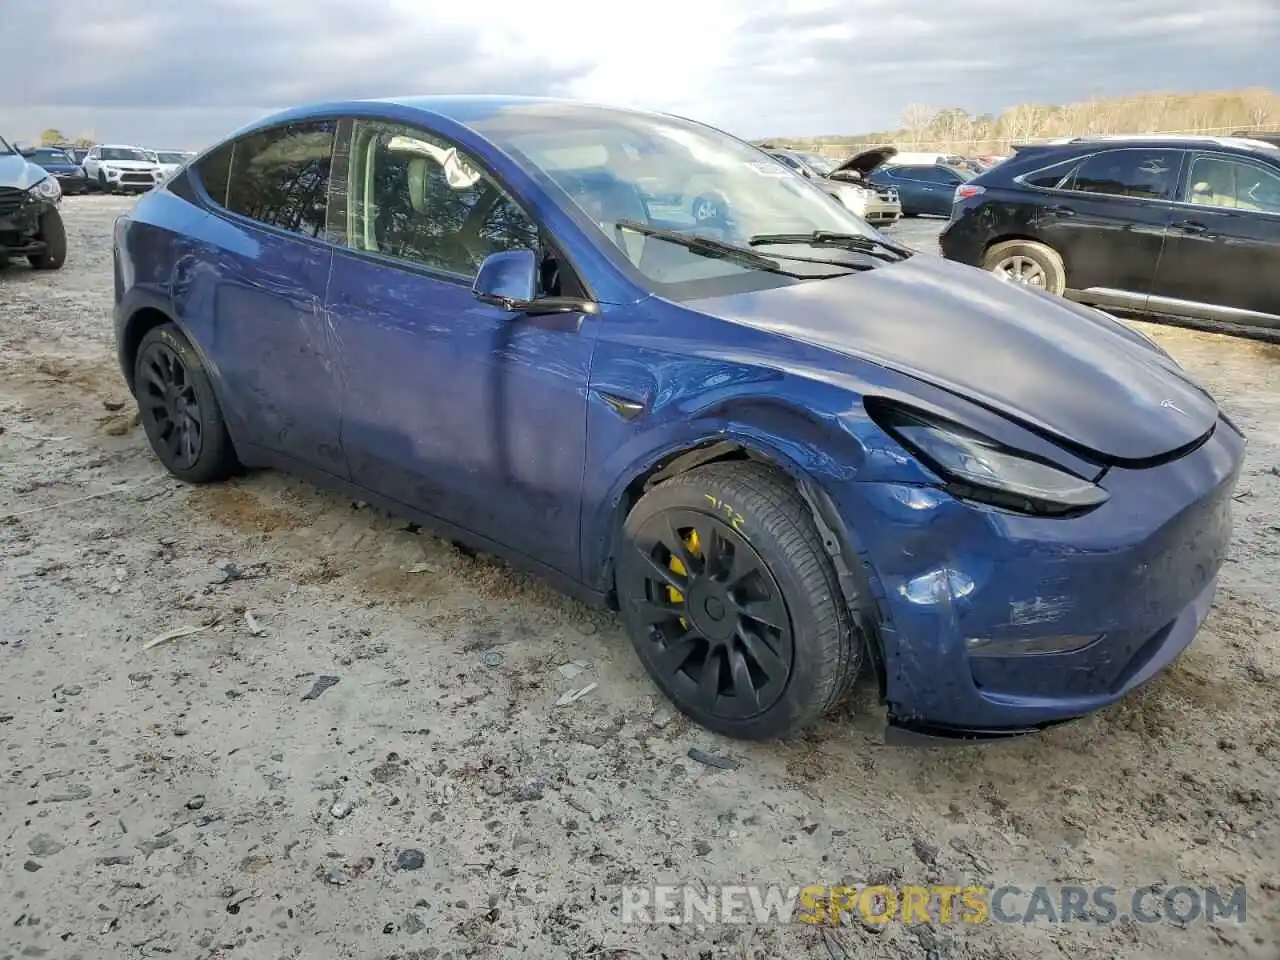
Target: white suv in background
pixel 171 161
pixel 113 168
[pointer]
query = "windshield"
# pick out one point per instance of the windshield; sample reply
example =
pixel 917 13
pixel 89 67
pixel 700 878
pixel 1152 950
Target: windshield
pixel 824 165
pixel 125 153
pixel 172 156
pixel 45 155
pixel 5 148
pixel 617 166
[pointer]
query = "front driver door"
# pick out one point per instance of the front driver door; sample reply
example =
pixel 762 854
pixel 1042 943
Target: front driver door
pixel 456 408
pixel 1222 254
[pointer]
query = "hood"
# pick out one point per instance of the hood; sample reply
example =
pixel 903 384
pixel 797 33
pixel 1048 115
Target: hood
pixel 862 164
pixel 131 164
pixel 1063 370
pixel 17 171
pixel 60 167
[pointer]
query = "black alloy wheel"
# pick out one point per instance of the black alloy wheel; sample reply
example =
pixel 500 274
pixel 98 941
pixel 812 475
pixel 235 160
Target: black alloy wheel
pixel 170 405
pixel 718 626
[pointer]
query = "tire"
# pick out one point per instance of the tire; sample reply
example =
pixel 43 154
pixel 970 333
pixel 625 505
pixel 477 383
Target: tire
pixel 102 182
pixel 168 370
pixel 54 235
pixel 809 661
pixel 1039 264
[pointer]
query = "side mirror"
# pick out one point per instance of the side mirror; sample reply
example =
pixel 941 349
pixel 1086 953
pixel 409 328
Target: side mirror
pixel 508 279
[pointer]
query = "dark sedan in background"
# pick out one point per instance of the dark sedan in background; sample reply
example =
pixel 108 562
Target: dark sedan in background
pixel 922 188
pixel 69 174
pixel 1180 228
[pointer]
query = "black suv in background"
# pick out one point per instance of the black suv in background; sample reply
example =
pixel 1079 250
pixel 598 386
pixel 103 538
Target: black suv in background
pixel 1178 228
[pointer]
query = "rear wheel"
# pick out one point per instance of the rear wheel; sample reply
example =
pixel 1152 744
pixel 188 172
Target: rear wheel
pixel 732 603
pixel 1029 263
pixel 179 411
pixel 54 235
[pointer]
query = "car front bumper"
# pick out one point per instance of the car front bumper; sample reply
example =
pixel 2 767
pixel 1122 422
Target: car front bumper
pixel 20 225
pixel 964 594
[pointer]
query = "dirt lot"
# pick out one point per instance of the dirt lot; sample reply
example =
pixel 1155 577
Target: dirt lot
pixel 187 800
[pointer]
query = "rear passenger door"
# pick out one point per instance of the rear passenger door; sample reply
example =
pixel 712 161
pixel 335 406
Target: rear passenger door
pixel 263 275
pixel 1222 255
pixel 1108 220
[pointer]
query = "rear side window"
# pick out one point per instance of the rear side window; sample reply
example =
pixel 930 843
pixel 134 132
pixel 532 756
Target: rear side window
pixel 214 171
pixel 1145 174
pixel 1050 177
pixel 280 177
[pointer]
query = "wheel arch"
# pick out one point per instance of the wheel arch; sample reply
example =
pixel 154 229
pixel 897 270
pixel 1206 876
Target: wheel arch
pixel 138 325
pixel 801 460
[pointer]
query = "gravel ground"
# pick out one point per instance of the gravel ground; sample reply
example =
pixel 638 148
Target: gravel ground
pixel 186 799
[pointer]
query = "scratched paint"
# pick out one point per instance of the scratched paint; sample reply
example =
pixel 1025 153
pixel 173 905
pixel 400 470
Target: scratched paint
pixel 1040 610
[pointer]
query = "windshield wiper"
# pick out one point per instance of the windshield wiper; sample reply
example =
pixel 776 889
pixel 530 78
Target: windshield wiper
pixel 718 250
pixel 830 238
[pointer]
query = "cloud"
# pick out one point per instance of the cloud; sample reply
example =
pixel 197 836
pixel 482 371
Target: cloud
pixel 185 73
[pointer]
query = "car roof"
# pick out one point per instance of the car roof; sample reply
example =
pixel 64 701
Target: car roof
pixel 463 109
pixel 1169 139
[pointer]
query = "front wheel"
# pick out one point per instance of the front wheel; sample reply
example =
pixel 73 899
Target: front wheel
pixel 1029 263
pixel 732 603
pixel 54 235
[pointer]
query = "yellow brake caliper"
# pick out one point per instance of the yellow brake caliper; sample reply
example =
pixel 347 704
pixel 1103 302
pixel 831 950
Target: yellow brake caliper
pixel 677 566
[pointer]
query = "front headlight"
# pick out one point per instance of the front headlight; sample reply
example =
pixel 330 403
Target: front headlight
pixel 977 468
pixel 48 189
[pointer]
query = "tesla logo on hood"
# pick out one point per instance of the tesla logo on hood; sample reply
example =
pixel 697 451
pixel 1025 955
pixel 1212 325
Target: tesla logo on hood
pixel 1170 405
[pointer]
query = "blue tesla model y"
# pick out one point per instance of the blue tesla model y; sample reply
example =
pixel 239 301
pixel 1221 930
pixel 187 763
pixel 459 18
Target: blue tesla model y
pixel 784 446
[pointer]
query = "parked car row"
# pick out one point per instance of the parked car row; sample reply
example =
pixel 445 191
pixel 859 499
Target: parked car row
pixel 670 373
pixel 110 168
pixel 884 184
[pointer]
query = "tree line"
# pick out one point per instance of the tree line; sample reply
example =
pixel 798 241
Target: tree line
pixel 53 137
pixel 955 130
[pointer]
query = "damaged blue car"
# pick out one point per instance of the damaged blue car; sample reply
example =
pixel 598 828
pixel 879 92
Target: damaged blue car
pixel 642 358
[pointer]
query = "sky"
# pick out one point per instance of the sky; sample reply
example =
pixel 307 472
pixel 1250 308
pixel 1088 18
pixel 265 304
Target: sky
pixel 184 73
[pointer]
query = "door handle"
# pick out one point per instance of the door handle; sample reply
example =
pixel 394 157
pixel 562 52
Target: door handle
pixel 1191 226
pixel 624 407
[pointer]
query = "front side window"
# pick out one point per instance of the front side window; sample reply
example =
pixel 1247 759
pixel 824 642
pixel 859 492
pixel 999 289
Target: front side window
pixel 1145 174
pixel 1234 184
pixel 280 176
pixel 415 197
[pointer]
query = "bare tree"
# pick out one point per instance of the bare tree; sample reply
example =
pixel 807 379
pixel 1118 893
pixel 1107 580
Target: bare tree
pixel 915 121
pixel 1260 105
